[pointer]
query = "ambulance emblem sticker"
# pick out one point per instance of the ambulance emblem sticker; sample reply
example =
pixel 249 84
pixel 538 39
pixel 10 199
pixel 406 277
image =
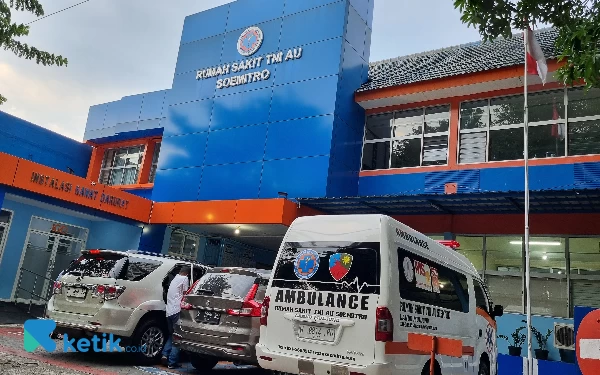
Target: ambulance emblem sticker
pixel 306 264
pixel 250 41
pixel 339 265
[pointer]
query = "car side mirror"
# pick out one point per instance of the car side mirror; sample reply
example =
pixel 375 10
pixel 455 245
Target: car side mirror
pixel 498 310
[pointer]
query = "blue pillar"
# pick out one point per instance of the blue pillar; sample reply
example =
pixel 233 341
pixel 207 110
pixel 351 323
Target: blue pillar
pixel 449 236
pixel 152 238
pixel 1 196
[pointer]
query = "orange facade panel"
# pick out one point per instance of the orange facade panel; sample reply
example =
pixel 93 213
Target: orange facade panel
pixel 50 182
pixel 8 168
pixel 162 213
pixel 205 212
pixel 259 211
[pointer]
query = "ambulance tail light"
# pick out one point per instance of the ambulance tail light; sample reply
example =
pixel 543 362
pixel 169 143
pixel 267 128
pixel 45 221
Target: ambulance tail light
pixel 384 330
pixel 264 311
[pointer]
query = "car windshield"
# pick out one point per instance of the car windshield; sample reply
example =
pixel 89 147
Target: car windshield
pixel 108 265
pixel 224 285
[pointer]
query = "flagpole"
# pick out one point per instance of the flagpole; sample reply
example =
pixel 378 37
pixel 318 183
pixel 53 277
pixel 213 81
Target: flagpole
pixel 527 257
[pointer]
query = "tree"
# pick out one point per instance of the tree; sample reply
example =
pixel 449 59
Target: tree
pixel 10 32
pixel 578 38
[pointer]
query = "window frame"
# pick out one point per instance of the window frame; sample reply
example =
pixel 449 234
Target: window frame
pixel 565 120
pixel 397 122
pixel 6 231
pixel 185 235
pixel 143 147
pixel 154 162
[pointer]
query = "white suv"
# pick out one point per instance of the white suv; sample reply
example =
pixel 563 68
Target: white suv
pixel 123 293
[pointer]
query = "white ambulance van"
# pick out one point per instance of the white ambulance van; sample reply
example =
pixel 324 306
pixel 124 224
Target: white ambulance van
pixel 346 292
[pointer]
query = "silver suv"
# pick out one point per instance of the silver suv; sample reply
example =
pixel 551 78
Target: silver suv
pixel 220 317
pixel 123 293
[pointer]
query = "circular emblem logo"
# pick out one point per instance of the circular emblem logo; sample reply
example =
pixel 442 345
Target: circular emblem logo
pixel 306 264
pixel 409 271
pixel 250 41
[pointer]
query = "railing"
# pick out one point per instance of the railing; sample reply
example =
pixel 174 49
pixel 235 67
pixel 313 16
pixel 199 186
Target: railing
pixel 32 291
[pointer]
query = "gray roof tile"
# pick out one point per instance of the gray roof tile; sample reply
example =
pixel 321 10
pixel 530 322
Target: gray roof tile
pixel 454 61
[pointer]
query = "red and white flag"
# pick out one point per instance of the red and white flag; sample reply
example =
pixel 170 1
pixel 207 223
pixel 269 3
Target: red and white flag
pixel 536 62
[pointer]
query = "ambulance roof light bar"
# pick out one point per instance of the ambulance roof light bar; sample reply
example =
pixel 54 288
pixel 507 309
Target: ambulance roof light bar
pixel 450 243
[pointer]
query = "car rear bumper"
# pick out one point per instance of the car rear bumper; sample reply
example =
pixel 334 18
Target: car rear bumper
pixel 291 364
pixel 241 352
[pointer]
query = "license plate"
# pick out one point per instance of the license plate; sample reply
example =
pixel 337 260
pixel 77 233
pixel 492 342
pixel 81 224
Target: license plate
pixel 208 317
pixel 316 333
pixel 76 292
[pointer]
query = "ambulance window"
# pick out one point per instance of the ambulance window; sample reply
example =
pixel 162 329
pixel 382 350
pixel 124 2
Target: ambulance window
pixel 424 281
pixel 480 297
pixel 350 267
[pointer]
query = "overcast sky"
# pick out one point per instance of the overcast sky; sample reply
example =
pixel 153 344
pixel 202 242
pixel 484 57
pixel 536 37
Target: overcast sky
pixel 123 47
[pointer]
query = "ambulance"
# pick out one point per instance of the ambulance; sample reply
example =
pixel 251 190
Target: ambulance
pixel 362 294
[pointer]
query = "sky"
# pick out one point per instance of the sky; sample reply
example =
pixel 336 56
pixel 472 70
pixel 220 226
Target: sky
pixel 118 48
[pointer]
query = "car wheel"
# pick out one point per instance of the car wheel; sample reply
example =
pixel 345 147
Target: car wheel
pixel 152 336
pixel 203 363
pixel 437 370
pixel 484 368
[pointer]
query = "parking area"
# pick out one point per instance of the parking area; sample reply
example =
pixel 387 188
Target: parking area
pixel 15 360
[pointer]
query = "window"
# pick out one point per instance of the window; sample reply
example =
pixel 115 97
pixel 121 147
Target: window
pixel 121 166
pixel 361 277
pixel 225 285
pixel 138 268
pixel 154 163
pixel 481 299
pixel 184 244
pixel 487 127
pixel 412 138
pixel 424 281
pixel 5 217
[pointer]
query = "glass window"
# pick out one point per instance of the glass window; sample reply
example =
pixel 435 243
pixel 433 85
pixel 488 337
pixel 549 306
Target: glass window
pixel 225 285
pixel 152 174
pixel 121 166
pixel 549 296
pixel 506 291
pixel 506 144
pixel 547 141
pixel 584 137
pixel 507 110
pixel 584 256
pixel 105 264
pixel 183 244
pixel 376 156
pixel 583 103
pixel 406 153
pixel 424 281
pixel 362 257
pixel 379 126
pixel 138 268
pixel 547 255
pixel 472 248
pixel 545 106
pixel 5 217
pixel 419 137
pixel 474 115
pixel 481 299
pixel 504 254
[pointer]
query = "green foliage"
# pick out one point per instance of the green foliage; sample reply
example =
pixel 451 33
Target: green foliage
pixel 542 340
pixel 518 338
pixel 10 32
pixel 576 21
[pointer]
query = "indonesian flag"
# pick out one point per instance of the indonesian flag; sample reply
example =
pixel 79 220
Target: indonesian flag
pixel 558 129
pixel 536 62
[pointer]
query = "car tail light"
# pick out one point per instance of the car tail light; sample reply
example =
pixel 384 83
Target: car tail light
pixel 264 311
pixel 184 305
pixel 384 331
pixel 94 251
pixel 113 292
pixel 57 287
pixel 250 307
pixel 108 292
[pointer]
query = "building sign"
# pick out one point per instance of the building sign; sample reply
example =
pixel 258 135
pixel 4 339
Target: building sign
pixel 81 191
pixel 248 44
